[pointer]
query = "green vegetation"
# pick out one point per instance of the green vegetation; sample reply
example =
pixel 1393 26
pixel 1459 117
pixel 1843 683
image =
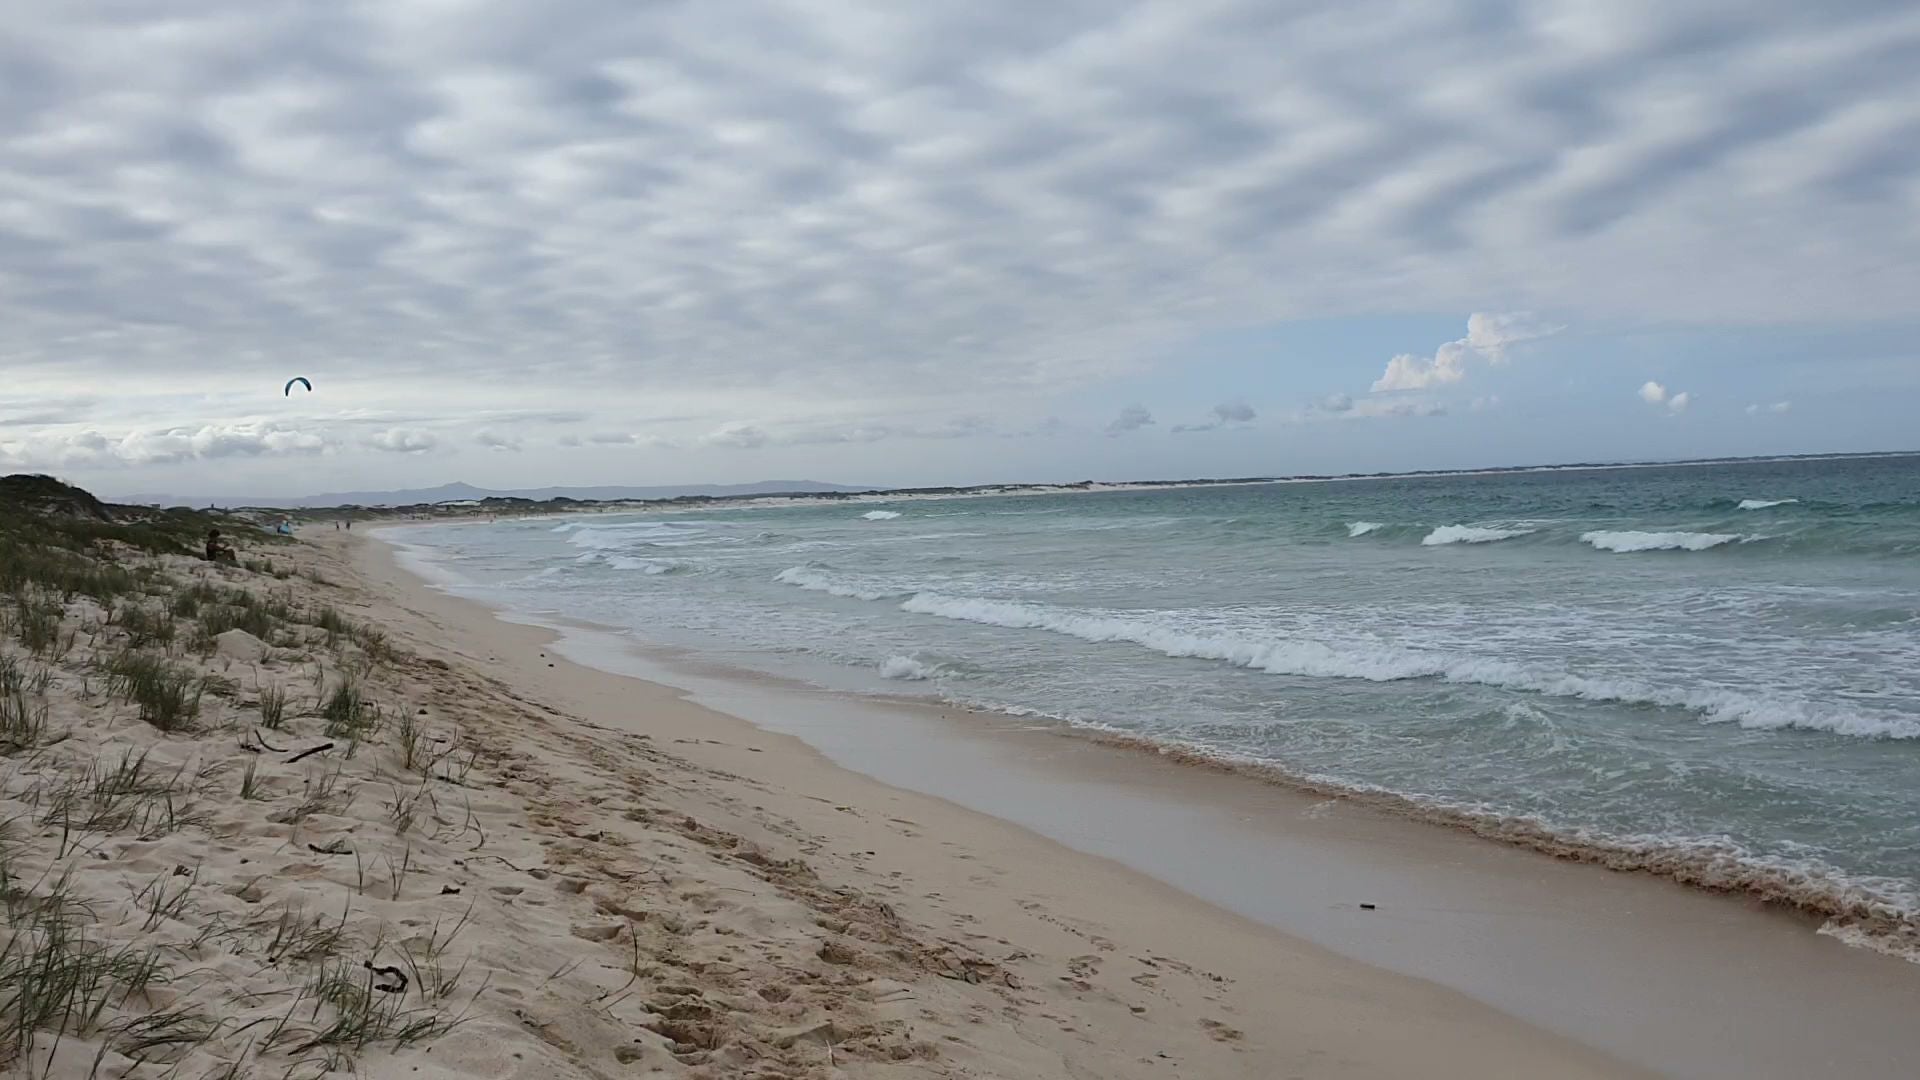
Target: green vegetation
pixel 168 695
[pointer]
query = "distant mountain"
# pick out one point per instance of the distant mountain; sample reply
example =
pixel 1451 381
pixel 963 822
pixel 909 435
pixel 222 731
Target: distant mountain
pixel 459 491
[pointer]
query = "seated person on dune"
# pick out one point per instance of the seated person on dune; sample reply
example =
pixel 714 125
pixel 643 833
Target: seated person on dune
pixel 218 550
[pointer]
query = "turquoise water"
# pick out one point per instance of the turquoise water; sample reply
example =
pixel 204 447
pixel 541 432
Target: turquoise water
pixel 1711 671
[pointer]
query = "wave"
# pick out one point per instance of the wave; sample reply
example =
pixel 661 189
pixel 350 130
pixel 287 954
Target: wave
pixel 907 668
pixel 1374 662
pixel 880 515
pixel 1764 504
pixel 809 578
pixel 635 534
pixel 1630 541
pixel 1362 528
pixel 645 566
pixel 1471 534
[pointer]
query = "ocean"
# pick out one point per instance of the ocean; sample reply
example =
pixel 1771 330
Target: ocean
pixel 1710 672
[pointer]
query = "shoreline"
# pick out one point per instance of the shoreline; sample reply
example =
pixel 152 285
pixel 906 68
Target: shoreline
pixel 1279 993
pixel 1786 941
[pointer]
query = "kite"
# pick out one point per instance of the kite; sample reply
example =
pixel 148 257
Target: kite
pixel 302 381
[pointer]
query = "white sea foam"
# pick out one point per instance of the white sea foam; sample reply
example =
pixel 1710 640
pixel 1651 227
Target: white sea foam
pixel 880 515
pixel 1629 541
pixel 1470 534
pixel 634 534
pixel 1388 663
pixel 1763 504
pixel 645 566
pixel 1362 528
pixel 807 577
pixel 907 668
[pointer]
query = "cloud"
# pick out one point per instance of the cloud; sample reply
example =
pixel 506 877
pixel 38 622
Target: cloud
pixel 1131 418
pixel 402 441
pixel 1488 336
pixel 163 446
pixel 1491 335
pixel 495 440
pixel 1337 403
pixel 747 435
pixel 1654 393
pixel 738 435
pixel 1409 372
pixel 1777 408
pixel 1226 413
pixel 697 199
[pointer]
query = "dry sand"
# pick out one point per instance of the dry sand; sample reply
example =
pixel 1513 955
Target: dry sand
pixel 578 874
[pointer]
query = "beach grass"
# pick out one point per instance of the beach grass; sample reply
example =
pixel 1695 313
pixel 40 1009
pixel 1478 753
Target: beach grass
pixel 167 694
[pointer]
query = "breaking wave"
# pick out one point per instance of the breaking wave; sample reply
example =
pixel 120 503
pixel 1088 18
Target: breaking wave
pixel 644 566
pixel 1628 542
pixel 1471 534
pixel 1764 504
pixel 1362 528
pixel 1390 663
pixel 880 515
pixel 813 580
pixel 907 668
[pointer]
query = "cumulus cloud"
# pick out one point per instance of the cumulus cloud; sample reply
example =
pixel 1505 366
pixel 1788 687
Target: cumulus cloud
pixel 1131 418
pixel 1654 393
pixel 163 446
pixel 1777 408
pixel 1488 336
pixel 497 440
pixel 402 441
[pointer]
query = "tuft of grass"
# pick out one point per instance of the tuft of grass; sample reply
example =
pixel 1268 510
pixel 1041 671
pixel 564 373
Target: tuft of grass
pixel 408 731
pixel 294 935
pixel 427 960
pixel 273 707
pixel 374 642
pixel 37 621
pixel 350 1013
pixel 164 1037
pixel 168 695
pixel 328 618
pixel 127 796
pixel 250 780
pixel 321 794
pixel 187 602
pixel 144 626
pixel 255 619
pixel 405 807
pixel 165 897
pixel 349 715
pixel 56 980
pixel 23 725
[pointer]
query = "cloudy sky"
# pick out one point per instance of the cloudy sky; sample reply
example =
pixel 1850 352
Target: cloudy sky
pixel 610 241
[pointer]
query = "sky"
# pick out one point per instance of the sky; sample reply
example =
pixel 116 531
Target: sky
pixel 610 241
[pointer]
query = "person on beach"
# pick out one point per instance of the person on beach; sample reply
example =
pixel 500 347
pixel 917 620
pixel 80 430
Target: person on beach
pixel 218 550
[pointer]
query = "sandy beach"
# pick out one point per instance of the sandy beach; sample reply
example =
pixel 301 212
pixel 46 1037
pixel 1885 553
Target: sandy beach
pixel 401 838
